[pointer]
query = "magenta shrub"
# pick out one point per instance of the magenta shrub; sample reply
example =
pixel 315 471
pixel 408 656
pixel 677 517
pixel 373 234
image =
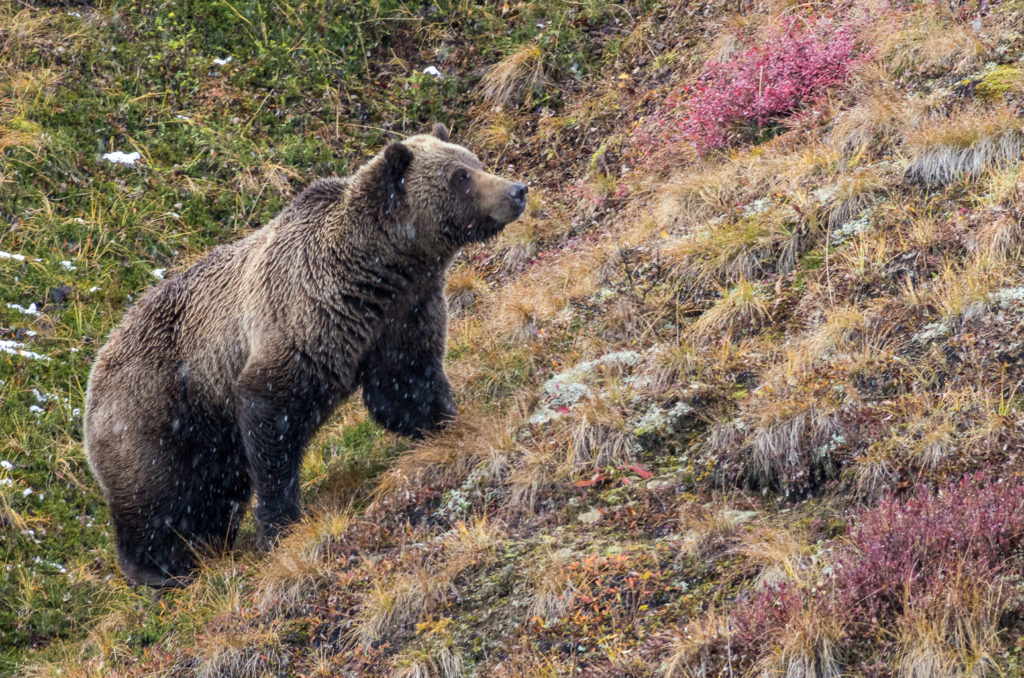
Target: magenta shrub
pixel 797 63
pixel 910 553
pixel 901 556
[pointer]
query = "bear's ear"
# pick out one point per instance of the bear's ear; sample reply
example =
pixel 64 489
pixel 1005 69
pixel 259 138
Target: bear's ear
pixel 440 131
pixel 388 178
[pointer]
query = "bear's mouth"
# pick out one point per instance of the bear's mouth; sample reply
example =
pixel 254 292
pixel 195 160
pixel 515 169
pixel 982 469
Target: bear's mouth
pixel 485 227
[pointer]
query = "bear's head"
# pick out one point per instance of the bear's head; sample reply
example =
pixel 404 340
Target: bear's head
pixel 434 192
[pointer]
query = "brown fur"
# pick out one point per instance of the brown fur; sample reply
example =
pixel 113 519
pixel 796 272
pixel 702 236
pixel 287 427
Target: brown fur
pixel 213 384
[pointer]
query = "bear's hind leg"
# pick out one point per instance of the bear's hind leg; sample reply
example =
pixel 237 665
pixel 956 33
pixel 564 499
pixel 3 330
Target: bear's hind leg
pixel 154 553
pixel 199 515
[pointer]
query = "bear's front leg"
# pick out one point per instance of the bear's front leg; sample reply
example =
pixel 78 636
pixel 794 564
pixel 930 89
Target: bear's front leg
pixel 404 385
pixel 276 418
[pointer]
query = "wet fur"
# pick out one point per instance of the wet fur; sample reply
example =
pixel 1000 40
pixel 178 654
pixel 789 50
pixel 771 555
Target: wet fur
pixel 211 387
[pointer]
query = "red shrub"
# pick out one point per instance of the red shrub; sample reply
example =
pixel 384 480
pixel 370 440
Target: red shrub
pixel 902 557
pixel 909 553
pixel 795 64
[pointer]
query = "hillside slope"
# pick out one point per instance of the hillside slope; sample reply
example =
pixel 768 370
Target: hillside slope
pixel 739 395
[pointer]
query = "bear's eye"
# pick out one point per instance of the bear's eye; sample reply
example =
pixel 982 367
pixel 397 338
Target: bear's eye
pixel 460 178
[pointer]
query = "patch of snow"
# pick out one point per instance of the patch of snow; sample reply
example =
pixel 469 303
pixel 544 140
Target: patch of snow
pixel 8 255
pixel 432 70
pixel 27 492
pixel 17 348
pixel 35 409
pixel 94 288
pixel 68 265
pixel 122 158
pixel 222 62
pixel 159 273
pixel 31 310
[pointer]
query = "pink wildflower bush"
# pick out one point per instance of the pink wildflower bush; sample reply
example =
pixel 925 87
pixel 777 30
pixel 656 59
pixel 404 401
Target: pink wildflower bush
pixel 796 63
pixel 903 560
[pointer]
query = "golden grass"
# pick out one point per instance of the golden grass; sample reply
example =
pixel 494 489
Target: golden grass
pixel 692 653
pixel 238 654
pixel 520 241
pixel 402 600
pixel 928 42
pixel 553 591
pixel 298 565
pixel 465 287
pixel 443 458
pixel 599 437
pixel 743 308
pixel 726 253
pixel 964 146
pixel 953 636
pixel 514 79
pixel 781 555
pixel 418 663
pixel 960 285
pixel 257 179
pixel 876 124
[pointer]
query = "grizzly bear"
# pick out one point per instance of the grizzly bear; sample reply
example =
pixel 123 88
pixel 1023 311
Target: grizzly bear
pixel 213 384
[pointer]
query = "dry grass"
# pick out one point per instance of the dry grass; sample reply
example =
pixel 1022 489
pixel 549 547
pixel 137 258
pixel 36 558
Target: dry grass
pixel 521 243
pixel 743 308
pixel 257 179
pixel 853 194
pixel 600 437
pixel 465 287
pixel 532 473
pixel 514 79
pixel 806 651
pixel 553 590
pixel 958 286
pixel 928 42
pixel 956 636
pixel 441 663
pixel 781 555
pixel 875 125
pixel 297 565
pixel 691 652
pixel 873 475
pixel 694 196
pixel 402 600
pixel 711 526
pixel 445 458
pixel 242 654
pixel 787 452
pixel 964 146
pixel 726 253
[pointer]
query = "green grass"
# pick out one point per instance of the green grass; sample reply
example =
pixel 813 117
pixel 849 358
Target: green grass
pixel 312 88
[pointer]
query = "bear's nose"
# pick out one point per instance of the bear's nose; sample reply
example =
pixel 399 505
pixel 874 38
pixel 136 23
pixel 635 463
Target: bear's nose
pixel 518 195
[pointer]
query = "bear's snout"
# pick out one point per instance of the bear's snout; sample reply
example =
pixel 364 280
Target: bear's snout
pixel 517 194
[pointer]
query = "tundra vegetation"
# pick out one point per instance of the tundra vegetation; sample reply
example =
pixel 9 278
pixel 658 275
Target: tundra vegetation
pixel 739 395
